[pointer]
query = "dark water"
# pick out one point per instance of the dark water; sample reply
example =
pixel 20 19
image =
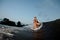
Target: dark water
pixel 24 34
pixel 29 35
pixel 47 32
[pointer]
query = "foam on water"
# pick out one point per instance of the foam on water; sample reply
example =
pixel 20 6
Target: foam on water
pixel 17 29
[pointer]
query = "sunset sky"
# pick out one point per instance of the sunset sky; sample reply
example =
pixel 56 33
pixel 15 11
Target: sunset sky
pixel 25 10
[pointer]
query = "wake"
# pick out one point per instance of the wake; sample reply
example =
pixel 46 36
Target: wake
pixel 18 29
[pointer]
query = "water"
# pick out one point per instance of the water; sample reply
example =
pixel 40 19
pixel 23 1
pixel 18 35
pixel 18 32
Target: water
pixel 21 33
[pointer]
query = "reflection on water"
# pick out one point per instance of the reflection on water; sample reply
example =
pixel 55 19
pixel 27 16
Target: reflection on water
pixel 38 35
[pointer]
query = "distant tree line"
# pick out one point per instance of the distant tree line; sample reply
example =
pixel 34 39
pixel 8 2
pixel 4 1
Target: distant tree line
pixel 6 21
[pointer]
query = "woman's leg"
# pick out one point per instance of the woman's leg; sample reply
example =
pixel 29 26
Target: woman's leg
pixel 35 26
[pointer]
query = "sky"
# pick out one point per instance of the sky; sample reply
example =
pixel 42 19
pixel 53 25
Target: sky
pixel 25 10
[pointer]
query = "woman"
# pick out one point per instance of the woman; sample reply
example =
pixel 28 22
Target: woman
pixel 36 24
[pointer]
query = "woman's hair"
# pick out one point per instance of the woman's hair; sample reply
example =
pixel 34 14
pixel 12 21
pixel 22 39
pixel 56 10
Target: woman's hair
pixel 35 17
